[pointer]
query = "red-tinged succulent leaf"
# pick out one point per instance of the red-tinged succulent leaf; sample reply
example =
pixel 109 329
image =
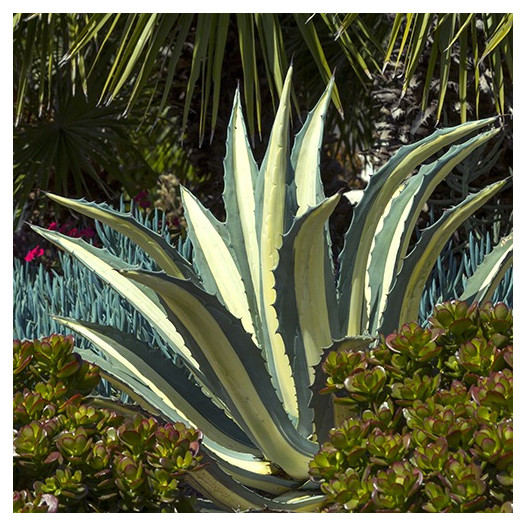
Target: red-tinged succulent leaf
pixel 129 437
pixel 72 401
pixel 445 314
pixel 442 318
pixel 501 311
pixel 366 384
pixel 194 446
pixel 339 365
pixel 502 358
pixel 477 355
pixel 495 398
pixel 20 362
pixel 72 446
pixel 506 478
pixel 45 348
pixel 500 327
pixel 474 505
pixel 463 329
pixel 69 368
pixel 461 435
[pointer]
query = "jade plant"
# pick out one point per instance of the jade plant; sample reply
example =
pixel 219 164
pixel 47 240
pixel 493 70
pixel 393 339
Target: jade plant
pixel 73 456
pixel 248 316
pixel 426 420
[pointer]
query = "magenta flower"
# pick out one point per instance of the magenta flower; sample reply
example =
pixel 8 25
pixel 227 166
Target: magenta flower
pixel 72 232
pixel 34 253
pixel 87 232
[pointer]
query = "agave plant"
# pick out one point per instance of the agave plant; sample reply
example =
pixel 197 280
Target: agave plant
pixel 77 292
pixel 250 316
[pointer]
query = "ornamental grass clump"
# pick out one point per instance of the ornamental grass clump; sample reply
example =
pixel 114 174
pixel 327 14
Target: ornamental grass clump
pixel 71 456
pixel 426 417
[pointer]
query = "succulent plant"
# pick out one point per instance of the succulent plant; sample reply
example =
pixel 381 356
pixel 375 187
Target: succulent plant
pixel 75 457
pixel 430 443
pixel 53 360
pixel 77 292
pixel 26 502
pixel 250 316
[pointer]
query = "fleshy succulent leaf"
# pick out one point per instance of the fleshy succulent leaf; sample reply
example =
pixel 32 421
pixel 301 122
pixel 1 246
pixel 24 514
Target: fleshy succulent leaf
pixel 166 256
pixel 305 155
pixel 240 206
pixel 215 261
pixel 102 263
pixel 270 222
pixel 230 495
pixel 392 239
pixel 306 297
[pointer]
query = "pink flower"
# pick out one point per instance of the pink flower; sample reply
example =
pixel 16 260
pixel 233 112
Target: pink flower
pixel 72 232
pixel 34 253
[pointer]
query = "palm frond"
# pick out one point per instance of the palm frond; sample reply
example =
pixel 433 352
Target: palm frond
pixel 459 35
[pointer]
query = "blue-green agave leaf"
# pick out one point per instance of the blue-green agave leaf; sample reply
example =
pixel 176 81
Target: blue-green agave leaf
pixel 160 383
pixel 305 155
pixel 215 259
pixel 164 254
pixel 271 199
pixel 105 266
pixel 240 174
pixel 231 495
pixel 306 299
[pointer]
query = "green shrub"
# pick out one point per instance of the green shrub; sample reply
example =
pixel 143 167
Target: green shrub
pixel 426 417
pixel 70 456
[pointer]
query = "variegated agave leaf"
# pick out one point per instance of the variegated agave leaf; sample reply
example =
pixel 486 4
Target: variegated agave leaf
pixel 394 231
pixel 359 239
pixel 482 284
pixel 404 298
pixel 251 316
